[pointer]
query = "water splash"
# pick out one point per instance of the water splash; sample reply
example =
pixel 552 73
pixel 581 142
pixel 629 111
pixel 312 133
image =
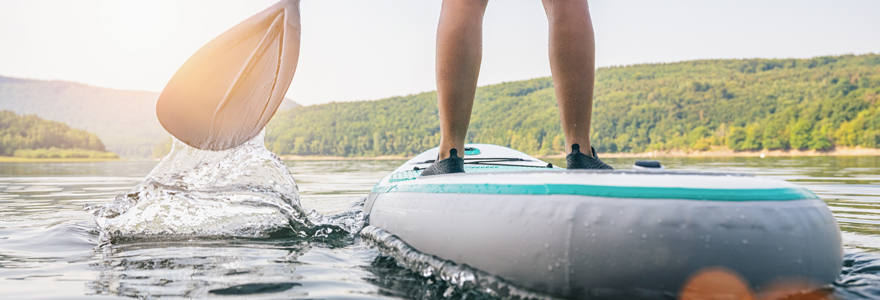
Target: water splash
pixel 462 277
pixel 246 191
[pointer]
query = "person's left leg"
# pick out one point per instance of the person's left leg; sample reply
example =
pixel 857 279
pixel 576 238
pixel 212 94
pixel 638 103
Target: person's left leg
pixel 573 63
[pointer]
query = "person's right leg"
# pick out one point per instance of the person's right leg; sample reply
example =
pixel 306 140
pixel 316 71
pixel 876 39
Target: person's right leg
pixel 459 54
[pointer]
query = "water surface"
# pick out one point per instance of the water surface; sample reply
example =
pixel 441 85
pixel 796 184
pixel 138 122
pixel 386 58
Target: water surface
pixel 49 246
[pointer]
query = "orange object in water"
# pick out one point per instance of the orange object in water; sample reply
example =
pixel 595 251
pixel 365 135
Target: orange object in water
pixel 228 90
pixel 718 283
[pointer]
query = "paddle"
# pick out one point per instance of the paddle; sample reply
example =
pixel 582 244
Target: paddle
pixel 228 90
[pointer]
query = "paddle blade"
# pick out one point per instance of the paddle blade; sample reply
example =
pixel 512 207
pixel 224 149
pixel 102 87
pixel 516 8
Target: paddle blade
pixel 228 90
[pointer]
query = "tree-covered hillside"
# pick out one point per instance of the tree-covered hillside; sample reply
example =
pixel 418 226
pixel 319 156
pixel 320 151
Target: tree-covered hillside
pixel 30 136
pixel 125 120
pixel 749 104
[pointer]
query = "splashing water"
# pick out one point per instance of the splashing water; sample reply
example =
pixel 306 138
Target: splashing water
pixel 246 191
pixel 461 278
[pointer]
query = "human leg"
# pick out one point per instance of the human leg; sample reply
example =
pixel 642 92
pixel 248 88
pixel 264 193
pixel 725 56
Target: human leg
pixel 459 53
pixel 572 63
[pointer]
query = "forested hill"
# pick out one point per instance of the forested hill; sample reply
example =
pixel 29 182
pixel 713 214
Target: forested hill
pixel 748 104
pixel 30 136
pixel 125 120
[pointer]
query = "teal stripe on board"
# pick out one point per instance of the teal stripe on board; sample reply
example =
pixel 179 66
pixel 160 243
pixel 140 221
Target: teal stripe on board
pixel 777 194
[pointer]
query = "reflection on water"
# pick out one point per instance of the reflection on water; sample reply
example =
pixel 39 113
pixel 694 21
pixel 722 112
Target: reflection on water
pixel 49 246
pixel 274 268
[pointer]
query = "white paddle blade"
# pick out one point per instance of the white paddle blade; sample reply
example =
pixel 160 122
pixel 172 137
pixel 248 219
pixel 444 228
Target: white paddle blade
pixel 228 90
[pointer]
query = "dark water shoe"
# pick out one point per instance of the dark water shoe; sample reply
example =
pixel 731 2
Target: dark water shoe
pixel 578 160
pixel 451 164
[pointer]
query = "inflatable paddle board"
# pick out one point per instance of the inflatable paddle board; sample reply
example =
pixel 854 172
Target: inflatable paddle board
pixel 575 233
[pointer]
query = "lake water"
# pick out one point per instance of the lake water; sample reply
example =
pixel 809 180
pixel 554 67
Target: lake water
pixel 49 246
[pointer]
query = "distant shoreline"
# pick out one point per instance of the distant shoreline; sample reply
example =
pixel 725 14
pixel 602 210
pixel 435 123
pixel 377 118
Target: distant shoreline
pixel 11 159
pixel 327 157
pixel 723 152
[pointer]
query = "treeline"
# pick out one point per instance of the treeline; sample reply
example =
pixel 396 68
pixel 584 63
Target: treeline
pixel 63 153
pixel 814 103
pixel 749 104
pixel 31 136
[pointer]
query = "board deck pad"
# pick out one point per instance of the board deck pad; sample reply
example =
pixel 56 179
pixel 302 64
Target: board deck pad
pixel 499 170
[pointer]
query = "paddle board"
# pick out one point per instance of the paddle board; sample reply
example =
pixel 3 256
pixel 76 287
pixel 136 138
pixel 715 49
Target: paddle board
pixel 574 233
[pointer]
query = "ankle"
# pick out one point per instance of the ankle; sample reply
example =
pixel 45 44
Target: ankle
pixel 447 154
pixel 445 148
pixel 576 147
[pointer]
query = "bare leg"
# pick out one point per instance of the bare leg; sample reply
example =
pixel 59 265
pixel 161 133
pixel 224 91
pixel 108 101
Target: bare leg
pixel 572 63
pixel 459 53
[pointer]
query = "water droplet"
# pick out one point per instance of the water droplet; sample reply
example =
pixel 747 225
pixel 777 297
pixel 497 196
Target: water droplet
pixel 448 292
pixel 742 217
pixel 630 231
pixel 587 224
pixel 644 235
pixel 779 248
pixel 546 245
pixel 745 242
pixel 661 236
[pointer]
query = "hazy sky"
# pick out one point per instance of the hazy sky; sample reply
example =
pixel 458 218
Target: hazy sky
pixel 371 49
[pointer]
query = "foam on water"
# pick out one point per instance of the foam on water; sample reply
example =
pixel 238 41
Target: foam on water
pixel 462 277
pixel 246 191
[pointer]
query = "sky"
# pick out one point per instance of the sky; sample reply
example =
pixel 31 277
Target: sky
pixel 371 49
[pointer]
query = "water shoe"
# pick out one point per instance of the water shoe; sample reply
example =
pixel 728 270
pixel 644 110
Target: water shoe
pixel 578 160
pixel 452 164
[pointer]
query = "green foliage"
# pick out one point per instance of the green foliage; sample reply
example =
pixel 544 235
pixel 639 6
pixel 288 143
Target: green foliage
pixel 800 134
pixel 819 139
pixel 775 136
pixel 754 136
pixel 63 153
pixel 18 134
pixel 736 138
pixel 749 104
